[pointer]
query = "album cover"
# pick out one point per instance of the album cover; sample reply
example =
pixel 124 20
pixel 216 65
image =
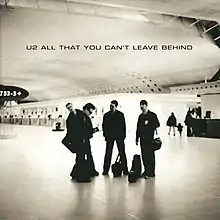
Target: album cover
pixel 107 109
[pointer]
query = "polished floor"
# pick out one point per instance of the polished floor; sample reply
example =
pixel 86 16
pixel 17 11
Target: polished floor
pixel 35 182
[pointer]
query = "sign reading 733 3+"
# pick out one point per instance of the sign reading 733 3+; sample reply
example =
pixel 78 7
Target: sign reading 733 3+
pixel 12 93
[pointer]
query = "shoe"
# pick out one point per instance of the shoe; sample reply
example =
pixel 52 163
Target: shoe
pixel 84 181
pixel 73 176
pixel 144 175
pixel 94 173
pixel 151 175
pixel 105 173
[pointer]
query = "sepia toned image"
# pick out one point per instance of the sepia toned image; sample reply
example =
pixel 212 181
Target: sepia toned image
pixel 109 109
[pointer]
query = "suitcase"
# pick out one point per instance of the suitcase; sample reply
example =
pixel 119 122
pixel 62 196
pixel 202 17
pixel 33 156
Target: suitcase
pixel 117 167
pixel 135 172
pixel 81 172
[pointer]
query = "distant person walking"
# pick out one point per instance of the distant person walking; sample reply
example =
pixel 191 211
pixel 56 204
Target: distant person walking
pixel 171 123
pixel 180 128
pixel 189 123
pixel 199 112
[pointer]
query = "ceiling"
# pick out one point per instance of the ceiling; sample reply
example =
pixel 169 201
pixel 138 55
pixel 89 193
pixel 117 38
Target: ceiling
pixel 54 74
pixel 204 9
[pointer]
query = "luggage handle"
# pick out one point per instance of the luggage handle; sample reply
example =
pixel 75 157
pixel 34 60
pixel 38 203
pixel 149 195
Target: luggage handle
pixel 156 135
pixel 117 158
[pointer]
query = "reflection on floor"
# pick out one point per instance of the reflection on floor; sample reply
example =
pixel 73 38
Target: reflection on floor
pixel 35 182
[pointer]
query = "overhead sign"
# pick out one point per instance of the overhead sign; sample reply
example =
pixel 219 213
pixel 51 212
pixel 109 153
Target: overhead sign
pixel 12 93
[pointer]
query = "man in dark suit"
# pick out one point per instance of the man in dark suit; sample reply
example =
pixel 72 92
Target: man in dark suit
pixel 114 129
pixel 146 126
pixel 70 120
pixel 79 133
pixel 89 131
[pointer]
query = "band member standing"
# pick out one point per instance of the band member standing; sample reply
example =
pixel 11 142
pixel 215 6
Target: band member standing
pixel 114 129
pixel 79 132
pixel 146 126
pixel 89 130
pixel 70 126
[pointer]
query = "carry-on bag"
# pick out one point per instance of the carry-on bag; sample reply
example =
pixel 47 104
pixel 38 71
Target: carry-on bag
pixel 135 172
pixel 117 167
pixel 69 144
pixel 157 142
pixel 82 172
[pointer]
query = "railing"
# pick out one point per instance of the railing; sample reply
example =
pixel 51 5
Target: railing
pixel 33 121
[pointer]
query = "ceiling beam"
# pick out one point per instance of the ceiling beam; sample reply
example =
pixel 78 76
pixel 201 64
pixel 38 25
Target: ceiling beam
pixel 209 29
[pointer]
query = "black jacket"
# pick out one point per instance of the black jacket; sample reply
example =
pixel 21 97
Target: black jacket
pixel 171 121
pixel 180 128
pixel 114 125
pixel 146 126
pixel 79 126
pixel 188 119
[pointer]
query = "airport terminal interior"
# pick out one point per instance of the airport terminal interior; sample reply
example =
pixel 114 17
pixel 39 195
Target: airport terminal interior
pixel 54 52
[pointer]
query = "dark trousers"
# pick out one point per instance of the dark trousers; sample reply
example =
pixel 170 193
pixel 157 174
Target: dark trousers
pixel 84 153
pixel 108 153
pixel 148 156
pixel 189 131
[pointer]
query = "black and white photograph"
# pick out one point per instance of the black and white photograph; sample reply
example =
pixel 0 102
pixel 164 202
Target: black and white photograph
pixel 109 109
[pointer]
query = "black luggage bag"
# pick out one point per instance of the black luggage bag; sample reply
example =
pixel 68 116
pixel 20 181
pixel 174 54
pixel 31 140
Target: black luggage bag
pixel 135 172
pixel 157 143
pixel 69 144
pixel 117 167
pixel 81 172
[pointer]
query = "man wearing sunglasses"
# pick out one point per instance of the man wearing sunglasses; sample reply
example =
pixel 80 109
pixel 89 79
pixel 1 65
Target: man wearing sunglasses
pixel 79 133
pixel 114 129
pixel 89 131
